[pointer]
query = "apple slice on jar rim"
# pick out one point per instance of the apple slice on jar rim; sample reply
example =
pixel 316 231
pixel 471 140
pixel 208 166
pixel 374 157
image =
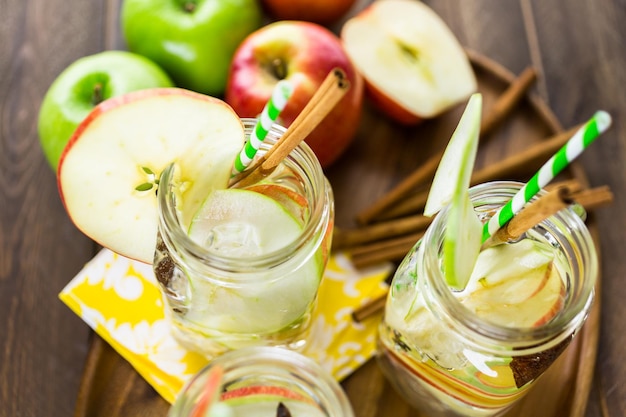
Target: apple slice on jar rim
pixel 462 238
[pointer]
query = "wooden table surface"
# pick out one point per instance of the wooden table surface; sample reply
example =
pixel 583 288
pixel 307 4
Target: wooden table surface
pixel 577 46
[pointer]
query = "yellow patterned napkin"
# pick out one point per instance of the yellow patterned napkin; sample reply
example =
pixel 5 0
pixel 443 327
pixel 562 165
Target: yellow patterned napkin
pixel 119 298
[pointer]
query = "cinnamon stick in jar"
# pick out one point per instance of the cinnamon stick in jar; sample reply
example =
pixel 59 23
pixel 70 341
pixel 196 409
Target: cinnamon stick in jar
pixel 330 92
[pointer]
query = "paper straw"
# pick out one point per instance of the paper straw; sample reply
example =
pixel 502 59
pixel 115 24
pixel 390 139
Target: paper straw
pixel 598 124
pixel 281 93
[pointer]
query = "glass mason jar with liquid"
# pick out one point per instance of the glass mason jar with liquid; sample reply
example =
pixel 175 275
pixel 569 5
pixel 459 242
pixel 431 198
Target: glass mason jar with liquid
pixel 253 281
pixel 475 352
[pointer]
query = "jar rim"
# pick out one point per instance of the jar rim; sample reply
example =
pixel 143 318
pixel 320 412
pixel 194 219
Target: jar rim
pixel 280 362
pixel 554 331
pixel 307 165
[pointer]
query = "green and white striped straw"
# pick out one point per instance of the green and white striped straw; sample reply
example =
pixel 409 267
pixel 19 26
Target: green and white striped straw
pixel 598 124
pixel 277 102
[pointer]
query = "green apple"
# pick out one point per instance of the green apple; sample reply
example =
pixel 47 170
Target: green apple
pixel 125 143
pixel 193 40
pixel 84 84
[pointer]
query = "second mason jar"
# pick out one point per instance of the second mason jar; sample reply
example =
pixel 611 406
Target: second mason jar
pixel 475 352
pixel 217 301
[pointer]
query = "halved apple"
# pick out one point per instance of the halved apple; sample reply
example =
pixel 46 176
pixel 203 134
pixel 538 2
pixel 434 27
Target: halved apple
pixel 413 65
pixel 109 171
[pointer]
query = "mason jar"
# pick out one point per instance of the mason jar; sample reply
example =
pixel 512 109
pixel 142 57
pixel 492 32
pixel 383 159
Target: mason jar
pixel 450 360
pixel 217 301
pixel 255 380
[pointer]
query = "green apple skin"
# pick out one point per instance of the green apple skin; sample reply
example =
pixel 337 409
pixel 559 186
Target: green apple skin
pixel 85 83
pixel 192 40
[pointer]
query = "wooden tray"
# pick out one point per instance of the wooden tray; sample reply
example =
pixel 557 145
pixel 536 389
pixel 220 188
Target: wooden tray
pixel 383 154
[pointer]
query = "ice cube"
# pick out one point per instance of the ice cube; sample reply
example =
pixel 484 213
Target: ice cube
pixel 234 239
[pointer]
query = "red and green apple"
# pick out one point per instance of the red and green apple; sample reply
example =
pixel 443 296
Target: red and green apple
pixel 302 53
pixel 83 85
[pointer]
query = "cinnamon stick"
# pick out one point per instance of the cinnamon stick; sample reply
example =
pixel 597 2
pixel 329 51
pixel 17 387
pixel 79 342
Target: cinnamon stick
pixel 332 89
pixel 346 238
pixel 594 198
pixel 370 308
pixel 589 199
pixel 388 250
pixel 508 100
pixel 500 110
pixel 531 157
pixel 557 199
pixel 525 160
pixel 532 214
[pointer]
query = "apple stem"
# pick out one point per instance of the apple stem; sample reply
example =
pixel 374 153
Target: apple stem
pixel 189 6
pixel 279 68
pixel 97 96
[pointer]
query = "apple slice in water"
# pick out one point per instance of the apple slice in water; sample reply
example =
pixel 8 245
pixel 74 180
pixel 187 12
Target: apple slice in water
pixel 525 293
pixel 293 202
pixel 238 222
pixel 107 173
pixel 462 239
pixel 210 395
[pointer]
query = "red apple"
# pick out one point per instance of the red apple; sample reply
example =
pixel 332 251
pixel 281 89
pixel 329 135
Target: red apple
pixel 108 171
pixel 302 53
pixel 318 11
pixel 413 65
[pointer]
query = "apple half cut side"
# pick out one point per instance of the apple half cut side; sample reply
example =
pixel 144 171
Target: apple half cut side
pixel 413 65
pixel 108 172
